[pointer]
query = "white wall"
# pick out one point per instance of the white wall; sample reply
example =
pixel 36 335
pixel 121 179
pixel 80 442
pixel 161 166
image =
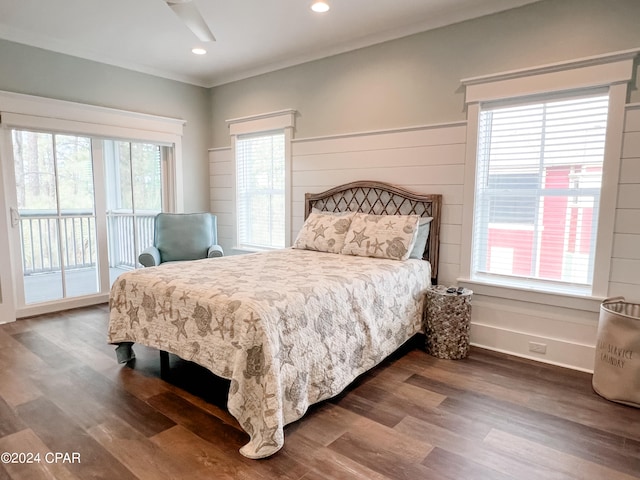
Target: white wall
pixel 221 189
pixel 427 159
pixel 625 261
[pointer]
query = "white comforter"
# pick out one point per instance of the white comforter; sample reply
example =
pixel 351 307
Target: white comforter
pixel 289 328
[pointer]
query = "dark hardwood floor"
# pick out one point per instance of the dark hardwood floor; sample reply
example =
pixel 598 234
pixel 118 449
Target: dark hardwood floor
pixel 414 417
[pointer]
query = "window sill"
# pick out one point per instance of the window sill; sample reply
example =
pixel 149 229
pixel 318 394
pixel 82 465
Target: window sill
pixel 574 301
pixel 240 250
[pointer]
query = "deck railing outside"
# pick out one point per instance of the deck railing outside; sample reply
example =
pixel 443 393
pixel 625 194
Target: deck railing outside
pixel 41 238
pixel 120 226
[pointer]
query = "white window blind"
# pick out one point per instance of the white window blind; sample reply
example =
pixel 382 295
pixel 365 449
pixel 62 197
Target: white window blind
pixel 260 190
pixel 538 178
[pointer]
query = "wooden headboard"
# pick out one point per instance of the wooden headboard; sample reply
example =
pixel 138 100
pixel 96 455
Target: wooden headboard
pixel 380 198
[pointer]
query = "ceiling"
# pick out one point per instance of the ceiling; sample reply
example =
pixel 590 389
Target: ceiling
pixel 253 36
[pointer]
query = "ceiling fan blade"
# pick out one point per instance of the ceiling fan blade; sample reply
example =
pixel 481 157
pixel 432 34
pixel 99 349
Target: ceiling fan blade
pixel 190 15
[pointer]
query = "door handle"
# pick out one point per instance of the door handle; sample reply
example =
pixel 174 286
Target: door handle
pixel 15 217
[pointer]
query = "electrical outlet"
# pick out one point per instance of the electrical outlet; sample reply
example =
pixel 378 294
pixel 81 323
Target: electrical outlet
pixel 538 347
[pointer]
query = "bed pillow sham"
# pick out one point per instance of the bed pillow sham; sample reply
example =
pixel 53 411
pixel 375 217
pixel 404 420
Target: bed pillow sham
pixel 381 236
pixel 424 225
pixel 323 232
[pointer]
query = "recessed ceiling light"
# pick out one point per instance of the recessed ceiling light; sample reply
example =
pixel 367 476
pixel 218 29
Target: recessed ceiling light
pixel 320 7
pixel 198 51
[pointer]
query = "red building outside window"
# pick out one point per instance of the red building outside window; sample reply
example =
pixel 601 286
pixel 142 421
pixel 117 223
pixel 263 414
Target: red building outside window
pixel 539 172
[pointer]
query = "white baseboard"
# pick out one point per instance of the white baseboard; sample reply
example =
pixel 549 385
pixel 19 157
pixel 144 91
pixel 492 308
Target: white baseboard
pixel 558 352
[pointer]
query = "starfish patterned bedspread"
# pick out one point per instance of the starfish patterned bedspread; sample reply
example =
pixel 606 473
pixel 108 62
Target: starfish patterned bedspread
pixel 289 328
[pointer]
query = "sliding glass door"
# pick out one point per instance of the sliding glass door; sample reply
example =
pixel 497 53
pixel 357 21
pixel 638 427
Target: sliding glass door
pixel 55 198
pixel 85 210
pixel 133 175
pixel 7 297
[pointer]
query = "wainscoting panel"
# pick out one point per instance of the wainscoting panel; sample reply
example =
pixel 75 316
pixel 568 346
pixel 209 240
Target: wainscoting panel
pixel 431 159
pixel 427 159
pixel 221 197
pixel 625 260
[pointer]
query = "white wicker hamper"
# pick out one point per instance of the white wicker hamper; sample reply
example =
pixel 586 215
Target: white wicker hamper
pixel 616 371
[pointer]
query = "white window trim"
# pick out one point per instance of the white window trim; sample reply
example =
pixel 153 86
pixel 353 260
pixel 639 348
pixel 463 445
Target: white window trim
pixel 60 116
pixel 283 120
pixel 614 71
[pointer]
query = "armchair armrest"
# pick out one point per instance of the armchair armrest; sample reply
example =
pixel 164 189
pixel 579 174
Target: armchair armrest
pixel 150 257
pixel 215 251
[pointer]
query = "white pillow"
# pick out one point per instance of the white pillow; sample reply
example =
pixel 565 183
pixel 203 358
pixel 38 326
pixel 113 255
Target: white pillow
pixel 424 225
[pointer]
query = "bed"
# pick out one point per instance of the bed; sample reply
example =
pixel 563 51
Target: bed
pixel 291 327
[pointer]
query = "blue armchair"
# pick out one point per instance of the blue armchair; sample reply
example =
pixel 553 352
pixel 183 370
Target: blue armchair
pixel 182 236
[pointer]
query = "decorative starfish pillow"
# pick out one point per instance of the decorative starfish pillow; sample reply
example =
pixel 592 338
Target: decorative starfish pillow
pixel 382 236
pixel 323 232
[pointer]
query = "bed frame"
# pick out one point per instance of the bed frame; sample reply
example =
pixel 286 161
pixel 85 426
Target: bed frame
pixel 382 198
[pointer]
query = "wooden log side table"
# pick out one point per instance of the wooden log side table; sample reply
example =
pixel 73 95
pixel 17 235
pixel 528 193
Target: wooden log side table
pixel 447 322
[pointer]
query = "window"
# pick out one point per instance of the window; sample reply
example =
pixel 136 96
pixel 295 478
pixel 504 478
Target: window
pixel 538 177
pixel 541 180
pixel 261 147
pixel 260 190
